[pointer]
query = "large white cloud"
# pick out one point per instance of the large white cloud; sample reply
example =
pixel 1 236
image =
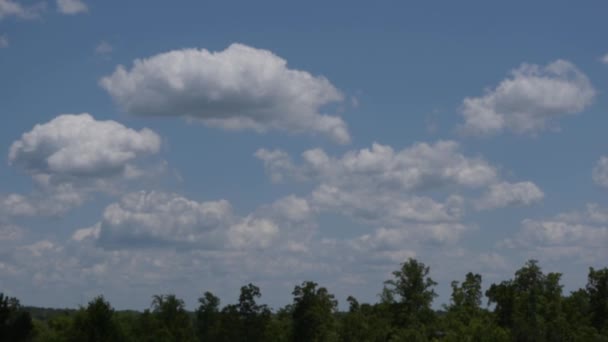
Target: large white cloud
pixel 530 100
pixel 78 146
pixel 153 218
pixel 74 156
pixel 600 172
pixel 505 194
pixel 238 88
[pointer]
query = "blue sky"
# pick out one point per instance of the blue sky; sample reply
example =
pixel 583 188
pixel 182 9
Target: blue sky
pixel 273 143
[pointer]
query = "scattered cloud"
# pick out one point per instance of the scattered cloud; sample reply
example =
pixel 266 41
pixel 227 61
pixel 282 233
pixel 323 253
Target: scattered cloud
pixel 10 8
pixel 10 232
pixel 53 202
pixel 530 100
pixel 385 209
pixel 582 235
pixel 421 166
pixel 506 194
pixel 3 41
pixel 604 59
pixel 240 88
pixel 71 6
pixel 600 172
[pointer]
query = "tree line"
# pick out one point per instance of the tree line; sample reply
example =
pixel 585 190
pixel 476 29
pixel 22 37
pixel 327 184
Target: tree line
pixel 529 307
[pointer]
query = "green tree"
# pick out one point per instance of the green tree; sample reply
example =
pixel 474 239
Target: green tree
pixel 414 290
pixel 174 320
pixel 95 323
pixel 254 317
pixel 313 314
pixel 208 317
pixel 465 320
pixel 530 304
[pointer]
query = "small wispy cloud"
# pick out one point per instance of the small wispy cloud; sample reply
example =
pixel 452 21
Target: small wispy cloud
pixel 71 6
pixel 3 41
pixel 604 59
pixel 103 48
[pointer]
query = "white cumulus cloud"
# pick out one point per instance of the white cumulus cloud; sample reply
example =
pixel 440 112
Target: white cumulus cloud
pixel 530 100
pixel 239 88
pixel 78 146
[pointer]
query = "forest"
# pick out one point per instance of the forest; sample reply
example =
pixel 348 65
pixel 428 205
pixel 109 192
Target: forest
pixel 529 307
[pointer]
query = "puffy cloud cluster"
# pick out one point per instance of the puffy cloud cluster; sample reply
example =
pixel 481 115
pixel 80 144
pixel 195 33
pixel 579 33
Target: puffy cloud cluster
pixel 157 219
pixel 238 88
pixel 421 166
pixel 71 157
pixel 390 189
pixel 530 100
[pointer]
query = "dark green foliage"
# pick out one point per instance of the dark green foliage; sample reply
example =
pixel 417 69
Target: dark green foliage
pixel 171 318
pixel 529 307
pixel 95 323
pixel 597 287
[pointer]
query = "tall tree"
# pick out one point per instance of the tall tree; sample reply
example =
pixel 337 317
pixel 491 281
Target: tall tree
pixel 171 314
pixel 254 317
pixel 415 291
pixel 313 314
pixel 208 317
